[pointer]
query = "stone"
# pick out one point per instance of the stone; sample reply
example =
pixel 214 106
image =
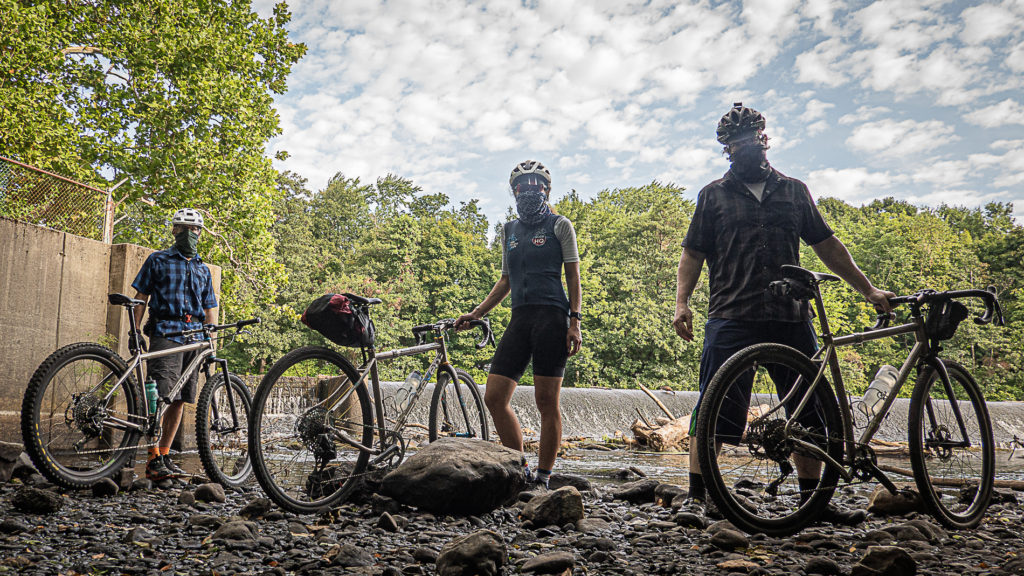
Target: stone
pixel 104 488
pixel 592 525
pixel 738 565
pixel 36 500
pixel 822 565
pixel 256 508
pixel 550 563
pixel 9 453
pixel 388 523
pixel 236 530
pixel 137 534
pixel 481 553
pixel 205 521
pixel 556 507
pixel 665 494
pixel 578 482
pixel 885 561
pixel 461 476
pixel 11 526
pixel 348 556
pixel 726 539
pixel 690 520
pixel 637 492
pixel 210 492
pixel 124 479
pixel 186 497
pixel 885 503
pixel 142 484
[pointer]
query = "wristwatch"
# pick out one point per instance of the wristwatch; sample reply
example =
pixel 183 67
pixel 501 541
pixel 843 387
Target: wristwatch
pixel 576 315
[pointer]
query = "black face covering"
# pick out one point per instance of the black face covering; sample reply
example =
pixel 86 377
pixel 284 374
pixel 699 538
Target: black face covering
pixel 187 241
pixel 750 163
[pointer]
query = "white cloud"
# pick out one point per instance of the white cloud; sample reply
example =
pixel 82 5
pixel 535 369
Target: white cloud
pixel 900 138
pixel 1008 111
pixel 854 185
pixel 988 22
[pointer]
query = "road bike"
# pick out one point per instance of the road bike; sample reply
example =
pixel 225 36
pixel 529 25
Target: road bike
pixel 773 464
pixel 318 423
pixel 85 414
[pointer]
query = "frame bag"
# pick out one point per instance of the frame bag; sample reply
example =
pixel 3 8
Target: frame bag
pixel 340 320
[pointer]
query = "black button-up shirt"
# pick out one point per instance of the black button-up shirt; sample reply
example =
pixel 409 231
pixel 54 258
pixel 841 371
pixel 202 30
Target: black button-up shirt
pixel 746 242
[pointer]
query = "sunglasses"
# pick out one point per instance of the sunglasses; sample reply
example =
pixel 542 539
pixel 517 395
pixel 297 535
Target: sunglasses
pixel 529 187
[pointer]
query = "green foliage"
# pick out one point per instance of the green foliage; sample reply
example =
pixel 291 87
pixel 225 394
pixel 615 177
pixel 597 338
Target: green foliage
pixel 174 97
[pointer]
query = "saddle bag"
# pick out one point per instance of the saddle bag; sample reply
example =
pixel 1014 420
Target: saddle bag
pixel 340 320
pixel 944 318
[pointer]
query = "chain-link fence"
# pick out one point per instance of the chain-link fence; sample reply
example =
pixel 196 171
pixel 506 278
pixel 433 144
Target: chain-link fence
pixel 39 197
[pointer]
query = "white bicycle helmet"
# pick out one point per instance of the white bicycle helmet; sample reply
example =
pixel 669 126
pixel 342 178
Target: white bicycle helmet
pixel 527 167
pixel 187 217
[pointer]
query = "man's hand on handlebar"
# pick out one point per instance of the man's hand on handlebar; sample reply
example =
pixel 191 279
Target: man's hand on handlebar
pixel 880 299
pixel 462 322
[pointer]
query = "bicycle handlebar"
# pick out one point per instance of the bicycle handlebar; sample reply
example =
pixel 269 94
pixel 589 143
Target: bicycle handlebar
pixel 210 328
pixel 449 323
pixel 993 312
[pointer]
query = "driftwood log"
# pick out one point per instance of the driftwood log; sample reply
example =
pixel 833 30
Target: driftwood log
pixel 671 435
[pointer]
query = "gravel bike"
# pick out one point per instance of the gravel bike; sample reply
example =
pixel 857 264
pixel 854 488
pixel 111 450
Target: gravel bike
pixel 762 460
pixel 84 413
pixel 318 423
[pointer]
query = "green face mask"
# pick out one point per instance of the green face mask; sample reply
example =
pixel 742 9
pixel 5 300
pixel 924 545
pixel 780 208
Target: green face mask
pixel 186 242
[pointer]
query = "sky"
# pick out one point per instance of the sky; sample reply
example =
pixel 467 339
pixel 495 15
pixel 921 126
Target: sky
pixel 915 99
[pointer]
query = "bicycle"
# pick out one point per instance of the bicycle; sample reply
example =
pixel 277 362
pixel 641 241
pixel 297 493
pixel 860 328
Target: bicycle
pixel 805 423
pixel 315 416
pixel 85 412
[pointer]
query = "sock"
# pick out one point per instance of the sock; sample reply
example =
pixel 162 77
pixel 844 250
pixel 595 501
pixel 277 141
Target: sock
pixel 807 487
pixel 697 490
pixel 543 476
pixel 153 452
pixel 165 451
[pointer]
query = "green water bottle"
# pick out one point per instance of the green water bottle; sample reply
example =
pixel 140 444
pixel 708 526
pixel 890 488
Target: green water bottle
pixel 151 395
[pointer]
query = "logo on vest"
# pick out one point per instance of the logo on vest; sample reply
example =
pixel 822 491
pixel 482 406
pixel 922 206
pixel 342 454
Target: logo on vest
pixel 540 239
pixel 513 242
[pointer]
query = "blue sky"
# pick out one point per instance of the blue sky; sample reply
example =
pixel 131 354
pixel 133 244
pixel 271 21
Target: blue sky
pixel 920 100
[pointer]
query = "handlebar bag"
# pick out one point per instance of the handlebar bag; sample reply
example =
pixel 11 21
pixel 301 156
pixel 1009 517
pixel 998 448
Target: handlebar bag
pixel 340 320
pixel 944 318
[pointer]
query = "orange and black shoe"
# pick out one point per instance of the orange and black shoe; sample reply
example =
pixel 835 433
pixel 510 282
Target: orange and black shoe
pixel 156 469
pixel 176 470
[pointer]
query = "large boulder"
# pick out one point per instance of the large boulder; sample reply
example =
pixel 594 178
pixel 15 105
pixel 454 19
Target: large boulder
pixel 481 553
pixel 457 476
pixel 36 500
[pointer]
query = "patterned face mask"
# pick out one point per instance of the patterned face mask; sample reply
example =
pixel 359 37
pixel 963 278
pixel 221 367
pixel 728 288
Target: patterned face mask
pixel 532 206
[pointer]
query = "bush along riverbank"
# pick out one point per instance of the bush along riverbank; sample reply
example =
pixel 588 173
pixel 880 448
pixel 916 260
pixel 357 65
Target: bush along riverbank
pixel 631 526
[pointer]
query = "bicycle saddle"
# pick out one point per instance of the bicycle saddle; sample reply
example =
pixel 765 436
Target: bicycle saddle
pixel 122 300
pixel 798 273
pixel 360 301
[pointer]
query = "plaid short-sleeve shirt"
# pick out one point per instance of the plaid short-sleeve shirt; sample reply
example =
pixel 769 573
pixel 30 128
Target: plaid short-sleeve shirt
pixel 180 290
pixel 746 242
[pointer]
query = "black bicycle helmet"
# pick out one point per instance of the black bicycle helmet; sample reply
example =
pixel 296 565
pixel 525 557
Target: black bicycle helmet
pixel 527 167
pixel 739 120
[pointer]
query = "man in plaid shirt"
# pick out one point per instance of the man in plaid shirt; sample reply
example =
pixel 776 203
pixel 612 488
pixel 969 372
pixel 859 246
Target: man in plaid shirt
pixel 179 290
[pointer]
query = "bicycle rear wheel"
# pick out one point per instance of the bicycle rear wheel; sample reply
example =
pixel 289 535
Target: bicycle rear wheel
pixel 749 460
pixel 954 466
pixel 222 430
pixel 306 418
pixel 456 408
pixel 76 421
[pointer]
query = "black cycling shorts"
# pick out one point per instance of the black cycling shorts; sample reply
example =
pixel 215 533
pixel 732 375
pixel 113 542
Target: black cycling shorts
pixel 537 332
pixel 167 369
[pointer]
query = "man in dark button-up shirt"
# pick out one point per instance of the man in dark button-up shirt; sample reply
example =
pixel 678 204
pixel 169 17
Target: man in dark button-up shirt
pixel 746 226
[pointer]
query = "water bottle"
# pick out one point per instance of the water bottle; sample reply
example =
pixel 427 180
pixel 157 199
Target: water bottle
pixel 879 388
pixel 404 395
pixel 151 395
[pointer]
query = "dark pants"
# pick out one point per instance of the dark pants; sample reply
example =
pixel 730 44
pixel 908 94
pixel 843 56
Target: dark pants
pixel 725 337
pixel 167 369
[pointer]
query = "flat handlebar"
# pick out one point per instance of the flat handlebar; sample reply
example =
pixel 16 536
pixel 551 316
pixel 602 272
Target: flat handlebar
pixel 210 328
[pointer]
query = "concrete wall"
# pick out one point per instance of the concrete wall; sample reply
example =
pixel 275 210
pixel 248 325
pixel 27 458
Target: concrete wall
pixel 53 292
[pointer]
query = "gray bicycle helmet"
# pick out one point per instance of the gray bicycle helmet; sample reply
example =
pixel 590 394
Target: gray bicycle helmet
pixel 740 120
pixel 527 167
pixel 187 217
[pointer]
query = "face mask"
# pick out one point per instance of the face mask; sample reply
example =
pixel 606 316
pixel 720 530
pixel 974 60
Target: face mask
pixel 532 206
pixel 750 163
pixel 186 242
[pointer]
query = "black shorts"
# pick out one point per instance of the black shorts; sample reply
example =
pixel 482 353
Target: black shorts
pixel 537 332
pixel 167 369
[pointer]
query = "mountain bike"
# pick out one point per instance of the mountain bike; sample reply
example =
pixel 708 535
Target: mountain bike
pixel 318 423
pixel 85 413
pixel 772 464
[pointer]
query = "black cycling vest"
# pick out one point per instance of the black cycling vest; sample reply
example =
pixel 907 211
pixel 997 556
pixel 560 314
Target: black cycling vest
pixel 534 257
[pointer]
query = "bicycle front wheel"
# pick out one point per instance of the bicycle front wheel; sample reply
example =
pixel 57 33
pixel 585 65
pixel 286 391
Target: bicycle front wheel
pixel 456 408
pixel 80 425
pixel 951 446
pixel 222 430
pixel 762 459
pixel 310 431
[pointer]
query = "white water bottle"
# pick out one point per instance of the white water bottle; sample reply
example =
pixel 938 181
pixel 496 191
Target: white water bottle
pixel 403 397
pixel 879 389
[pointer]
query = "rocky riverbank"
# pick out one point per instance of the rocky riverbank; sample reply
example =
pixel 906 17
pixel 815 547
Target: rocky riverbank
pixel 626 528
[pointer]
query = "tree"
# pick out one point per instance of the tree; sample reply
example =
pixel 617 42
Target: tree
pixel 174 97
